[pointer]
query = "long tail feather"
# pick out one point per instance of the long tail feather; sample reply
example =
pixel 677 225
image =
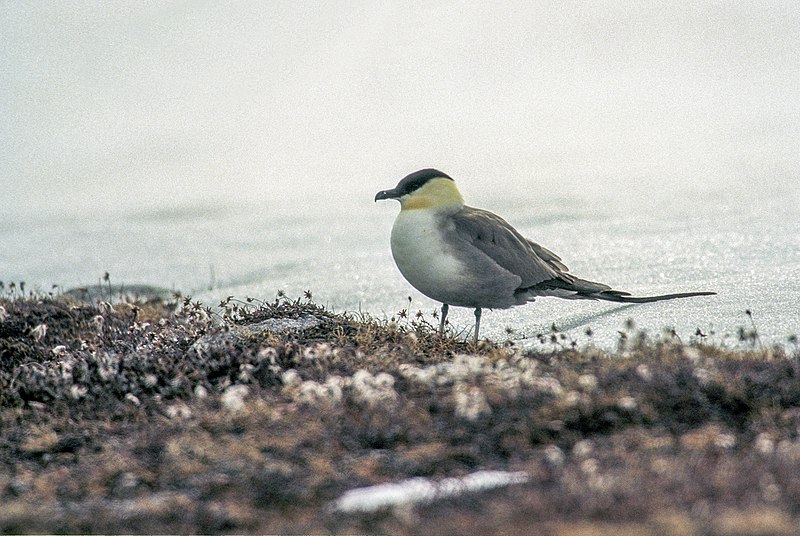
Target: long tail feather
pixel 615 296
pixel 591 290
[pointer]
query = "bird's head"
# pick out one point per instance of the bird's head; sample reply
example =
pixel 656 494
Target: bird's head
pixel 426 188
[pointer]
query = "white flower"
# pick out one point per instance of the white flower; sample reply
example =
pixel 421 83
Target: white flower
pixel 644 372
pixel 764 443
pixel 587 381
pixel 627 402
pixel 470 401
pixel 233 397
pixel 373 390
pixel 554 455
pixel 77 391
pixel 39 332
pixel 291 378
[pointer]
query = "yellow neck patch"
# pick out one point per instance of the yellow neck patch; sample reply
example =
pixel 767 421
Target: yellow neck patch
pixel 435 193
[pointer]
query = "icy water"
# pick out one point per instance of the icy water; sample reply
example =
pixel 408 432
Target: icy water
pixel 746 248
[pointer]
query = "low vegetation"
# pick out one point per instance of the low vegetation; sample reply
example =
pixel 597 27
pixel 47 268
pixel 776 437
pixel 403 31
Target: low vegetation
pixel 161 417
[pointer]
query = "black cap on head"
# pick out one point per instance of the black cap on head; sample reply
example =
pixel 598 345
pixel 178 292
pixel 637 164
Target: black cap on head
pixel 412 182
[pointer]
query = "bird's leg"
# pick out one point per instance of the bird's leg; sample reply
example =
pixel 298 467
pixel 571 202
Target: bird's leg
pixel 445 308
pixel 477 323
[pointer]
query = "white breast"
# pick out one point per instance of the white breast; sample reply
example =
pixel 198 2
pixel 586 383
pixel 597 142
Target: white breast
pixel 422 256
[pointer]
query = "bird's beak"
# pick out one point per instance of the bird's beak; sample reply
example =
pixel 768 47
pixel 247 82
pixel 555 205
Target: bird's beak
pixel 386 194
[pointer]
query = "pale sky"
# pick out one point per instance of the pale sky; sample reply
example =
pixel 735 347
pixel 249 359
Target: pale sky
pixel 119 103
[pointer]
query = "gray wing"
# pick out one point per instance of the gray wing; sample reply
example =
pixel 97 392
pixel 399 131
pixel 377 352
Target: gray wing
pixel 541 270
pixel 492 235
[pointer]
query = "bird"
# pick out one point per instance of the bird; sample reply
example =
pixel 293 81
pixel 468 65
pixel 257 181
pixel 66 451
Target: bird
pixel 468 257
